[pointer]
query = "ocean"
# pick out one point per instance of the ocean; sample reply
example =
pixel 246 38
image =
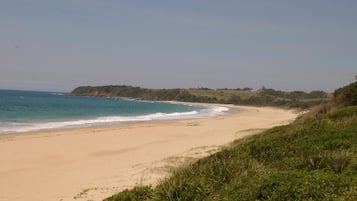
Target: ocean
pixel 22 111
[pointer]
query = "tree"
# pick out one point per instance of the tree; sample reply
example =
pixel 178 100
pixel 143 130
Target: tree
pixel 247 89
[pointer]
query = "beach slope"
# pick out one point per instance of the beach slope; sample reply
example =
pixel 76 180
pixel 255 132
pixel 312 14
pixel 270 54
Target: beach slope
pixel 96 162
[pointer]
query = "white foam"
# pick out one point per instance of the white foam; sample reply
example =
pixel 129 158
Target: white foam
pixel 26 127
pixel 58 94
pixel 220 109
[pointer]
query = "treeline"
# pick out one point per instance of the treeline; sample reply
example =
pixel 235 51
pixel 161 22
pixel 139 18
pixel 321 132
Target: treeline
pixel 141 93
pixel 263 97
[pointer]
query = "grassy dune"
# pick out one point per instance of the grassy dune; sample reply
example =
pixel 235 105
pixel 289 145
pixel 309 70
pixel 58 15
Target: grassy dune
pixel 314 158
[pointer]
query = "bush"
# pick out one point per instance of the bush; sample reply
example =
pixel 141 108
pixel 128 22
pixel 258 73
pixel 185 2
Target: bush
pixel 346 96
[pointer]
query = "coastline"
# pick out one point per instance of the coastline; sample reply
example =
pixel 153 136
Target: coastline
pixel 92 163
pixel 197 111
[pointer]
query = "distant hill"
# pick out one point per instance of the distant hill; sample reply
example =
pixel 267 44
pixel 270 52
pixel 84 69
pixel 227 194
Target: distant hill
pixel 245 96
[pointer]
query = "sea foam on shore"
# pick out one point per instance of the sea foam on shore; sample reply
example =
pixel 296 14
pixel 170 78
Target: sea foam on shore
pixel 16 127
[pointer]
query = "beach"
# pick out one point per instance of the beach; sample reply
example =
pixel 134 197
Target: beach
pixel 93 163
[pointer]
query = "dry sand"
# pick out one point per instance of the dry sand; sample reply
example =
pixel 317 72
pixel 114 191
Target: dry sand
pixel 94 163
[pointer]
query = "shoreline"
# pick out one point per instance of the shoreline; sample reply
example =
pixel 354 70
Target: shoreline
pixel 209 111
pixel 92 163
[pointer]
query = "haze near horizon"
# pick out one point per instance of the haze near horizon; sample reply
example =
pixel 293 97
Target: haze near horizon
pixel 286 45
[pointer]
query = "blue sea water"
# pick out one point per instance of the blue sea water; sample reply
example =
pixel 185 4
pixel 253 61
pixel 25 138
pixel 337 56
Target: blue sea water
pixel 22 111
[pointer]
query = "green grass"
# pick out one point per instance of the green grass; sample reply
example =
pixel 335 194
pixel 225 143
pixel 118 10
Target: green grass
pixel 312 159
pixel 137 193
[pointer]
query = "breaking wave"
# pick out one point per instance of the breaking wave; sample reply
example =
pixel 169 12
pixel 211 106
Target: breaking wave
pixel 15 127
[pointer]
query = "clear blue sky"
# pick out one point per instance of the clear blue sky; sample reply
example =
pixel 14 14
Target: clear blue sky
pixel 57 45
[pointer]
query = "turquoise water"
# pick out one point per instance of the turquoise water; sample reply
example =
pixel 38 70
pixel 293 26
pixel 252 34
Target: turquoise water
pixel 22 111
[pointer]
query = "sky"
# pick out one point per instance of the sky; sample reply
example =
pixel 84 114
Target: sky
pixel 54 45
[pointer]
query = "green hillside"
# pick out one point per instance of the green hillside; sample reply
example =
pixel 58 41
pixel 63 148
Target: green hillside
pixel 263 97
pixel 314 158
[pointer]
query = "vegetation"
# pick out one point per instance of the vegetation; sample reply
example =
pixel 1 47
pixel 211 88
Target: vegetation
pixel 314 158
pixel 245 96
pixel 346 95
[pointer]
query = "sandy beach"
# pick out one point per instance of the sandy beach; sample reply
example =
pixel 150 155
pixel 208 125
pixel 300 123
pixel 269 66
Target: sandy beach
pixel 95 162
